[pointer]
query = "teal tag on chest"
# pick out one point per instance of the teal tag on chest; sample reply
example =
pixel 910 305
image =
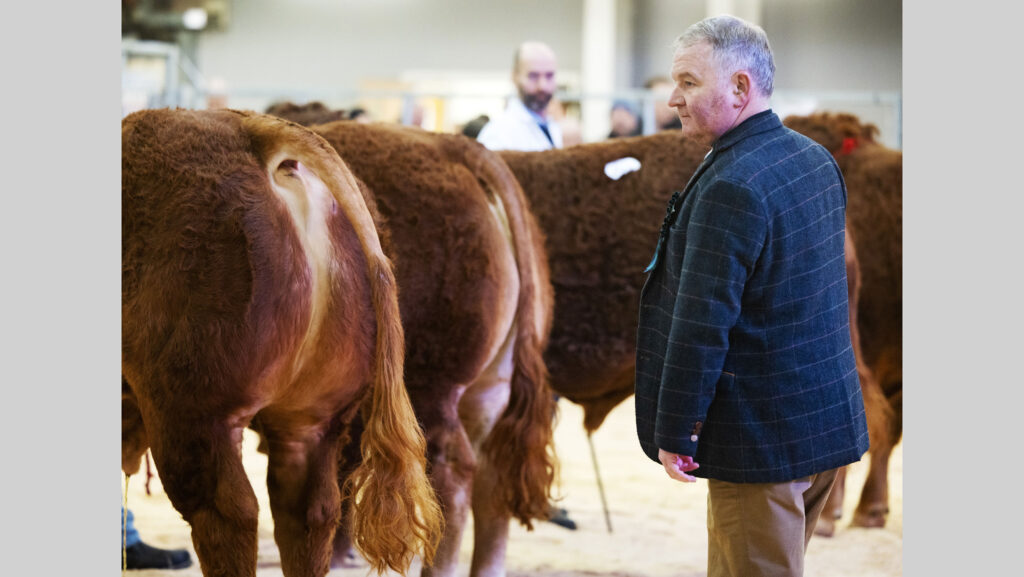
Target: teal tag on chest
pixel 654 259
pixel 670 212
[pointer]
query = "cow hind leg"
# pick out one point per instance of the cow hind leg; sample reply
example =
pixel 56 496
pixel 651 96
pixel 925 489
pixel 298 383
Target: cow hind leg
pixel 133 431
pixel 833 511
pixel 479 409
pixel 200 465
pixel 343 553
pixel 302 483
pixel 451 468
pixel 873 507
pixel 874 502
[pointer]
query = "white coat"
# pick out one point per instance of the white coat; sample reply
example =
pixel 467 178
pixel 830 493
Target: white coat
pixel 516 129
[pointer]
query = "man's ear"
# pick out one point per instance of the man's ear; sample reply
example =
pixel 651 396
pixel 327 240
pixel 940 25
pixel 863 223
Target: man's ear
pixel 741 88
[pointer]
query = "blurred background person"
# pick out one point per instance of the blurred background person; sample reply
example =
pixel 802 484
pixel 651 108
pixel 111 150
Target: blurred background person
pixel 216 93
pixel 625 120
pixel 558 113
pixel 473 127
pixel 140 555
pixel 524 124
pixel 359 114
pixel 665 117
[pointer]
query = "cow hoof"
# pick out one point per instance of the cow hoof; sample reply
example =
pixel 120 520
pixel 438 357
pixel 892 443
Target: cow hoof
pixel 873 518
pixel 825 527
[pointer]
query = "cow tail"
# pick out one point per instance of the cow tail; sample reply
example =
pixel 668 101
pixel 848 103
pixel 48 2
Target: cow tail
pixel 395 513
pixel 521 445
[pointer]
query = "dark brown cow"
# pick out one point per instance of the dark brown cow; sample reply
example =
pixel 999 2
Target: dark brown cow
pixel 476 302
pixel 255 291
pixel 601 233
pixel 874 216
pixel 306 114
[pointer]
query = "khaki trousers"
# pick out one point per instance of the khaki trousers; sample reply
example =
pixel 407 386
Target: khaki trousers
pixel 762 529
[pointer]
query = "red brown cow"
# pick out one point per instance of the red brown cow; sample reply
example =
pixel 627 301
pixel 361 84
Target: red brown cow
pixel 600 235
pixel 874 216
pixel 476 306
pixel 255 291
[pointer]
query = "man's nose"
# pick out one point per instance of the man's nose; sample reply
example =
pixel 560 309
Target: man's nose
pixel 675 100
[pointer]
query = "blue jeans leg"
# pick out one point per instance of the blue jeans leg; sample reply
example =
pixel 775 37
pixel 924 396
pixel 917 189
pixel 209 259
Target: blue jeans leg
pixel 130 534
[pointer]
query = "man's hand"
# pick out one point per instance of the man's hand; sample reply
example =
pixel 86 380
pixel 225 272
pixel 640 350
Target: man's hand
pixel 677 466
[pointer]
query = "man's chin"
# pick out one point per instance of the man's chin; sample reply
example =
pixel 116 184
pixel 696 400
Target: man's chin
pixel 536 105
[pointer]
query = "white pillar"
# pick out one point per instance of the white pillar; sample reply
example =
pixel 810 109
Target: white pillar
pixel 749 10
pixel 598 68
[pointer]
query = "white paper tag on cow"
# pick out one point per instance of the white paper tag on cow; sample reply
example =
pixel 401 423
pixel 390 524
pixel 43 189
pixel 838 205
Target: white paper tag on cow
pixel 616 169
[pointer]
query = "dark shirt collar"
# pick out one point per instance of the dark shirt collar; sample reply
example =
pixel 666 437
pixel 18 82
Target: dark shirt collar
pixel 761 122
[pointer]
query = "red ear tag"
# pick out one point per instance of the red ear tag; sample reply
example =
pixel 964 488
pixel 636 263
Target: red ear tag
pixel 848 145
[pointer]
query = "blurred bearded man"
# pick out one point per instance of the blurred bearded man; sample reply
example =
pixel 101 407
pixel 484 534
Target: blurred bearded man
pixel 524 125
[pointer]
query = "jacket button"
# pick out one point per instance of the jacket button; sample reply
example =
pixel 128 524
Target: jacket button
pixel 693 438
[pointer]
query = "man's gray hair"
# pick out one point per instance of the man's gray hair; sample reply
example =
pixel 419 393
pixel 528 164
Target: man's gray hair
pixel 736 45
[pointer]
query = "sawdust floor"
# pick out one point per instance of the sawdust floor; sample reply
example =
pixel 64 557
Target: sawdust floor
pixel 657 524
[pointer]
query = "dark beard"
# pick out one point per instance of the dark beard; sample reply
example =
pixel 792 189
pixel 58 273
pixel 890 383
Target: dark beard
pixel 536 102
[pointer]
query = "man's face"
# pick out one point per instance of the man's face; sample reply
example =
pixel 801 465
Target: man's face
pixel 535 79
pixel 702 97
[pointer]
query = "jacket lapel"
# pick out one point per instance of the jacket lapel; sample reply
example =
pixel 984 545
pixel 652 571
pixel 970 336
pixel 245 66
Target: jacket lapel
pixel 673 207
pixel 760 122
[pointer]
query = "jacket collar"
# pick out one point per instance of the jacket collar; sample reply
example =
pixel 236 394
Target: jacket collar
pixel 761 122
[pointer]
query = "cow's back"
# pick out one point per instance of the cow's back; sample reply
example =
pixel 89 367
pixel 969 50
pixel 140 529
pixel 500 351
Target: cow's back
pixel 452 261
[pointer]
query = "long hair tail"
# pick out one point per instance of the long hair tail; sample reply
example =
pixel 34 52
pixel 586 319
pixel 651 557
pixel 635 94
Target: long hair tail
pixel 395 513
pixel 521 445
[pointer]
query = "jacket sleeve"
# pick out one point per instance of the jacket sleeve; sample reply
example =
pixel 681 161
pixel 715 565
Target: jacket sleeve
pixel 725 234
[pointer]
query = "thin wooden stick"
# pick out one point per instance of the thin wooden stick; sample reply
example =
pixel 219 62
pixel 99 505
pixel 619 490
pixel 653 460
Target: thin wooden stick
pixel 600 485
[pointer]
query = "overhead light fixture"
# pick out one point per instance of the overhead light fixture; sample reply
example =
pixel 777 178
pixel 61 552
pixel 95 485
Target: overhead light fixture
pixel 194 18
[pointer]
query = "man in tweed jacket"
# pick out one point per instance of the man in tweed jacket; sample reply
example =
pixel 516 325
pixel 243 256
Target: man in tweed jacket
pixel 745 373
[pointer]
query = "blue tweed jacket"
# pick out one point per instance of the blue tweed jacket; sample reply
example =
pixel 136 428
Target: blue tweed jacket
pixel 744 359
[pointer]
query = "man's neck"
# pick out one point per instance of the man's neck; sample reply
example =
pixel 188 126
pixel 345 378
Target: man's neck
pixel 754 106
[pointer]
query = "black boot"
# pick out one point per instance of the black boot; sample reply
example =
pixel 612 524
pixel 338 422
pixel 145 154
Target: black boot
pixel 142 556
pixel 560 517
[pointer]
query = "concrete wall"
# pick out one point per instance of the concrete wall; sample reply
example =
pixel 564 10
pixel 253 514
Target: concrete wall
pixel 830 45
pixel 843 53
pixel 332 44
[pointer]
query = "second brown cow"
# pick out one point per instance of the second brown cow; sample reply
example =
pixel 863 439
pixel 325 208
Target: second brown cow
pixel 475 301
